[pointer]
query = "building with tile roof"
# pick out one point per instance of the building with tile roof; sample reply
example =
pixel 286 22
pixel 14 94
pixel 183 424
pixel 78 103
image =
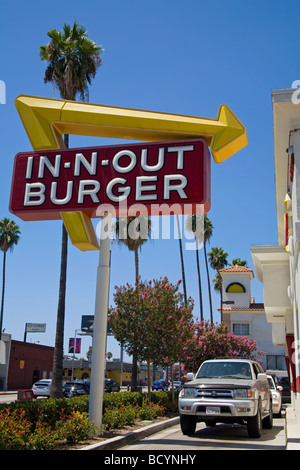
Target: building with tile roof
pixel 245 317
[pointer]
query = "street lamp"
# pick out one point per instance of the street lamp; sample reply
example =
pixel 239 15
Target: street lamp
pixel 83 333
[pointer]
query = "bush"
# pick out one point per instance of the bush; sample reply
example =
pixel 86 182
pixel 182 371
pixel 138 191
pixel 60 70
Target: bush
pixel 14 429
pixel 117 417
pixel 17 432
pixel 47 424
pixel 150 411
pixel 75 428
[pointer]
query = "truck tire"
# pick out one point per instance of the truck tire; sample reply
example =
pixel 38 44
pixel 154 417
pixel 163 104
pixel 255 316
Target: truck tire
pixel 268 420
pixel 188 424
pixel 254 425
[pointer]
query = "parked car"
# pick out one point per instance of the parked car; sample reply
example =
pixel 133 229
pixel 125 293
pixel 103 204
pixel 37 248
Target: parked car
pixel 177 385
pixel 227 391
pixel 276 391
pixel 286 392
pixel 111 385
pixel 75 388
pixel 160 385
pixel 42 388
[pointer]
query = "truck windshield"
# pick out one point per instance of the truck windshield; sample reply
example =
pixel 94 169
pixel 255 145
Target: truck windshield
pixel 222 369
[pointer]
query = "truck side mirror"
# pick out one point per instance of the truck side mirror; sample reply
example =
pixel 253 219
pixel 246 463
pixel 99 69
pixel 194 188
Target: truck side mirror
pixel 189 376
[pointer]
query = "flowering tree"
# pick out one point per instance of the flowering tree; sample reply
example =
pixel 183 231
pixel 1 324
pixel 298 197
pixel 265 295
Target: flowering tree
pixel 152 321
pixel 213 340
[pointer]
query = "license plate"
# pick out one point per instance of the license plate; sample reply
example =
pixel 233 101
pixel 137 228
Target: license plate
pixel 213 410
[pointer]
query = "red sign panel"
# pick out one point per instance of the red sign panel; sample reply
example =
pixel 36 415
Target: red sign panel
pixel 154 175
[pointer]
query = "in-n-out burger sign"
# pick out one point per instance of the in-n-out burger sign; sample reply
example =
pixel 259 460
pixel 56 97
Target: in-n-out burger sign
pixel 46 183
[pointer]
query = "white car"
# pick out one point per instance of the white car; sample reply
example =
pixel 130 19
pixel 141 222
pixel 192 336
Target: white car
pixel 42 388
pixel 276 391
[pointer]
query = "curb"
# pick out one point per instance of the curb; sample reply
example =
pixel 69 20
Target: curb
pixel 120 441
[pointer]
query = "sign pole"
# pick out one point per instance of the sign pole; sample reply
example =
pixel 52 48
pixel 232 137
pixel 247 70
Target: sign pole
pixel 100 325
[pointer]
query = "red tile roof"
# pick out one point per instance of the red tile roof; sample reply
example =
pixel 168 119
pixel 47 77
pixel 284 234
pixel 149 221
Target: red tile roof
pixel 253 306
pixel 237 269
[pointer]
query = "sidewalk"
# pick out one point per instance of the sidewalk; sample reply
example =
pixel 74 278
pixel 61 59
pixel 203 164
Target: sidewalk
pixel 292 429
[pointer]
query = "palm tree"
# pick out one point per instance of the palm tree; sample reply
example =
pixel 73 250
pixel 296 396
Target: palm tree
pixel 208 230
pixel 9 237
pixel 133 232
pixel 72 60
pixel 218 260
pixel 238 262
pixel 191 224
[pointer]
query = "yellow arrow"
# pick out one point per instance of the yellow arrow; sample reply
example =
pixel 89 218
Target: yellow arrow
pixel 46 120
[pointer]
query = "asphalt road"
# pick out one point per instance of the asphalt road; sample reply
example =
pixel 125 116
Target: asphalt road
pixel 220 437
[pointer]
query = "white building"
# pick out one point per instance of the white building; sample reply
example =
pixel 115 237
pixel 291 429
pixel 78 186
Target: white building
pixel 278 266
pixel 247 318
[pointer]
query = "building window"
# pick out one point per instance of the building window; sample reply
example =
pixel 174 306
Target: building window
pixel 276 362
pixel 235 288
pixel 241 329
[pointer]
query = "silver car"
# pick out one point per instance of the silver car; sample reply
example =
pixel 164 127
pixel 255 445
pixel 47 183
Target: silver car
pixel 42 388
pixel 227 391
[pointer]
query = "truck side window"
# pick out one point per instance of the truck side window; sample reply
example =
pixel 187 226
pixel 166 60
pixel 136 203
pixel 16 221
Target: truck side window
pixel 256 370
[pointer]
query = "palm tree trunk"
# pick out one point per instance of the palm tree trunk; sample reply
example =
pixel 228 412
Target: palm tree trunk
pixel 208 281
pixel 56 386
pixel 3 290
pixel 182 262
pixel 183 273
pixel 221 292
pixel 136 262
pixel 199 282
pixel 134 357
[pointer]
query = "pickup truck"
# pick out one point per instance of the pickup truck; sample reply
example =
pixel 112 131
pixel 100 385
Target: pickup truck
pixel 227 391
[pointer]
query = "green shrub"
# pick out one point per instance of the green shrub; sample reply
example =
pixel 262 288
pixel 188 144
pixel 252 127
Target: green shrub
pixel 14 429
pixel 43 438
pixel 117 417
pixel 46 424
pixel 75 428
pixel 150 410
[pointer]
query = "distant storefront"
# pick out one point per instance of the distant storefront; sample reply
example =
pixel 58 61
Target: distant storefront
pixel 28 363
pixel 80 369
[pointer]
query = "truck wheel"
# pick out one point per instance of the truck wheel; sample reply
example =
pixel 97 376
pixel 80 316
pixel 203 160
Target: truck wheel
pixel 268 420
pixel 254 425
pixel 188 424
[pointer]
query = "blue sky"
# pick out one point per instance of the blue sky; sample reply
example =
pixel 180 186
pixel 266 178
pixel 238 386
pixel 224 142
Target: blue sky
pixel 162 55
